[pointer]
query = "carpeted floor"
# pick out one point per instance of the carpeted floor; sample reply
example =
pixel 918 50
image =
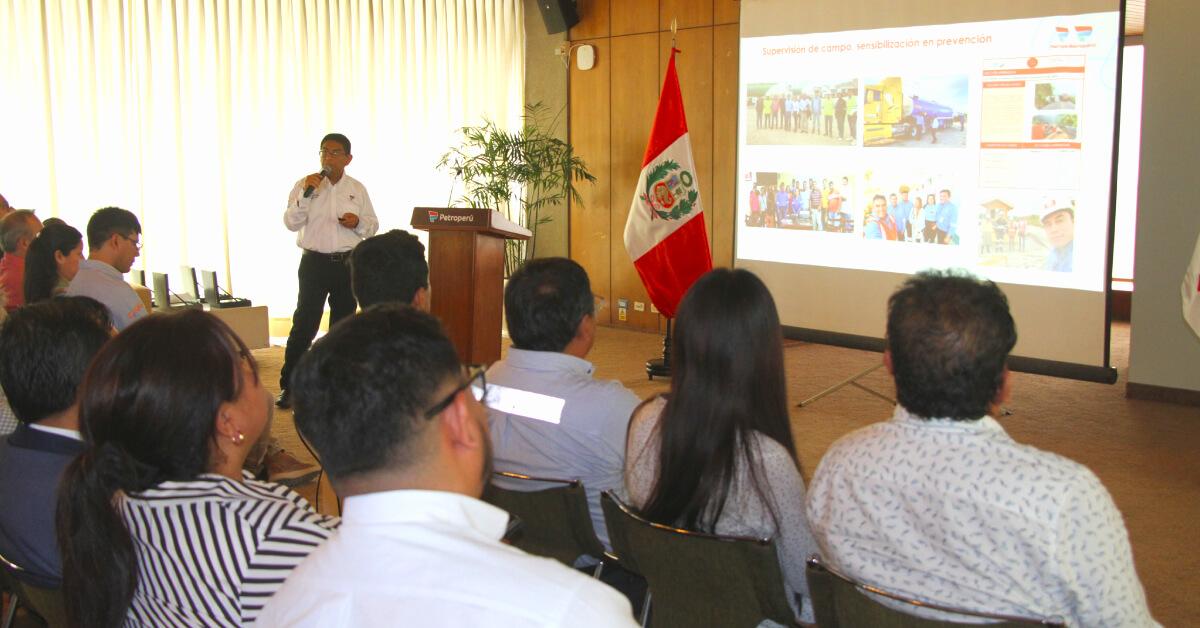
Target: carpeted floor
pixel 1143 451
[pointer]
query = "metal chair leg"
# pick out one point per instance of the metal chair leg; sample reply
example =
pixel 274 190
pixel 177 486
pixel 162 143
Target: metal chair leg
pixel 599 568
pixel 646 610
pixel 13 600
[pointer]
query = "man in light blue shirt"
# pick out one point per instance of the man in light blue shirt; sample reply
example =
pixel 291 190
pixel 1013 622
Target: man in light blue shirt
pixel 549 417
pixel 904 214
pixel 1059 223
pixel 114 241
pixel 947 219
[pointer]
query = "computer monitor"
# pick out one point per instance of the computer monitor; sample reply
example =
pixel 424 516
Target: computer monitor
pixel 191 287
pixel 215 296
pixel 164 298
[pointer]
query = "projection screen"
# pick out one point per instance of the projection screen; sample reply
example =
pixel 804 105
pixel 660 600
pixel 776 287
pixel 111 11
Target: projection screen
pixel 879 139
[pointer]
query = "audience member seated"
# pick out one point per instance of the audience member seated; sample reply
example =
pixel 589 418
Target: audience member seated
pixel 940 504
pixel 17 231
pixel 390 267
pixel 400 430
pixel 716 453
pixel 157 522
pixel 52 261
pixel 44 350
pixel 114 241
pixel 550 311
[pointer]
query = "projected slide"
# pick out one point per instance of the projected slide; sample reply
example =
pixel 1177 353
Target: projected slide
pixel 985 146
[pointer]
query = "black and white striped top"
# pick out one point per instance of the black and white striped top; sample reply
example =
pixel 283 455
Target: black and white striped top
pixel 211 551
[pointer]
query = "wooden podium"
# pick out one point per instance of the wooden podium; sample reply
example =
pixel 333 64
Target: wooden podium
pixel 466 275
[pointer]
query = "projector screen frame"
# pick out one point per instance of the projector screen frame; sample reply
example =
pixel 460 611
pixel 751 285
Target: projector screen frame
pixel 1105 373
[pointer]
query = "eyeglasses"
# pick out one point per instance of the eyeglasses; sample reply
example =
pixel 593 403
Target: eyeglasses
pixel 332 153
pixel 137 244
pixel 477 383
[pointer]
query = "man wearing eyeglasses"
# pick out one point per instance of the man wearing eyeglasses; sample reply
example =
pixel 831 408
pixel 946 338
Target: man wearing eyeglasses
pixel 114 240
pixel 331 213
pixel 399 427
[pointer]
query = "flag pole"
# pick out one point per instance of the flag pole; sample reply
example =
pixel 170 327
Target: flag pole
pixel 661 366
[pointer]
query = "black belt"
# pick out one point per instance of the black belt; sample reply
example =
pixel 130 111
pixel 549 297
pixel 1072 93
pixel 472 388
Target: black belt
pixel 333 257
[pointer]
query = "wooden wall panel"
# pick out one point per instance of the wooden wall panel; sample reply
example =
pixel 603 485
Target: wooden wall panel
pixel 633 16
pixel 593 19
pixel 688 13
pixel 725 111
pixel 611 113
pixel 636 80
pixel 727 11
pixel 590 229
pixel 695 67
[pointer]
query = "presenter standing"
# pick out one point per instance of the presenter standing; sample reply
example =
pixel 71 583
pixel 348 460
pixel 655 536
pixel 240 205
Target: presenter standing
pixel 331 213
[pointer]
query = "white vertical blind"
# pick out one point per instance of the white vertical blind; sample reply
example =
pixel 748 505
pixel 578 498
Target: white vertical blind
pixel 199 116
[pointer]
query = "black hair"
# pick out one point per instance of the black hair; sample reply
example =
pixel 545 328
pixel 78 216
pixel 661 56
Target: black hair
pixel 727 383
pixel 340 139
pixel 360 394
pixel 45 349
pixel 949 335
pixel 109 220
pixel 148 417
pixel 544 302
pixel 41 269
pixel 388 267
pixel 13 227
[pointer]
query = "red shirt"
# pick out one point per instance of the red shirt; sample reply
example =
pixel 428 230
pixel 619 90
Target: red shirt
pixel 12 280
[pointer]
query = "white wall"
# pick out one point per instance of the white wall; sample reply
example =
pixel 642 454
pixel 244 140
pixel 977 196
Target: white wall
pixel 1164 352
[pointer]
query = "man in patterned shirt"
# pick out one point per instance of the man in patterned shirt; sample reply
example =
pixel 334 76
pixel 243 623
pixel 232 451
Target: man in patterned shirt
pixel 940 504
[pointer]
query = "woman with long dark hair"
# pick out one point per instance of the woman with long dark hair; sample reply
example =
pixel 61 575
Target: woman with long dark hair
pixel 157 522
pixel 52 261
pixel 716 453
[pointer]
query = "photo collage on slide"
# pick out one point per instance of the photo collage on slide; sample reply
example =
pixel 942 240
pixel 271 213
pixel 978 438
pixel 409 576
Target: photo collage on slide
pixel 882 111
pixel 934 150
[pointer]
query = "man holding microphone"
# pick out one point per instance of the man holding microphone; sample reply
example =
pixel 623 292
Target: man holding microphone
pixel 330 213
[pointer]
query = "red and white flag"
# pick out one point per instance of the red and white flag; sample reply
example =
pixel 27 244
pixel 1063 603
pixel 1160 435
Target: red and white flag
pixel 1191 291
pixel 665 234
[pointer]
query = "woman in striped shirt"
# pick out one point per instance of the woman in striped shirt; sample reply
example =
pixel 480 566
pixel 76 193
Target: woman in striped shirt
pixel 158 524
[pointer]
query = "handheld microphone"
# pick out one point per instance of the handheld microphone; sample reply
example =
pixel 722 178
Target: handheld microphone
pixel 309 190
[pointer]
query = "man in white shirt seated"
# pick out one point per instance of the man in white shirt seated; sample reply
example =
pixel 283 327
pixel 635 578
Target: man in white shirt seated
pixel 550 418
pixel 940 504
pixel 114 240
pixel 398 424
pixel 44 350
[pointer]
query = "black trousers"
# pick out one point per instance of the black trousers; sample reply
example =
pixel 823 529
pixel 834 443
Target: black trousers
pixel 321 276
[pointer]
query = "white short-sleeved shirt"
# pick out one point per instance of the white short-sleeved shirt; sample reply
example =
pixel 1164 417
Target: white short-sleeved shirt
pixel 959 514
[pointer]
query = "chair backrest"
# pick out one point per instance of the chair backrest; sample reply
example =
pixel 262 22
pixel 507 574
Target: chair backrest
pixel 699 579
pixel 840 601
pixel 555 521
pixel 46 603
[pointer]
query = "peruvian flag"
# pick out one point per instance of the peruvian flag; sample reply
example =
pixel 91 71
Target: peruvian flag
pixel 1191 291
pixel 665 234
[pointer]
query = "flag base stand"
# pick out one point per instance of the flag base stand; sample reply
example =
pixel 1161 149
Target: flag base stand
pixel 661 367
pixel 849 381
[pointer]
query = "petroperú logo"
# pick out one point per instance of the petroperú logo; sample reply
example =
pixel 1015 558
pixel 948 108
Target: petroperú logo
pixel 1083 33
pixel 670 191
pixel 436 216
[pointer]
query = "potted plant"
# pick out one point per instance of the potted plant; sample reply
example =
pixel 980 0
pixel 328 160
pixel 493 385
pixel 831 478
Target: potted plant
pixel 530 165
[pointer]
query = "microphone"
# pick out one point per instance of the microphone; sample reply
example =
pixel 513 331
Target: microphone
pixel 309 190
